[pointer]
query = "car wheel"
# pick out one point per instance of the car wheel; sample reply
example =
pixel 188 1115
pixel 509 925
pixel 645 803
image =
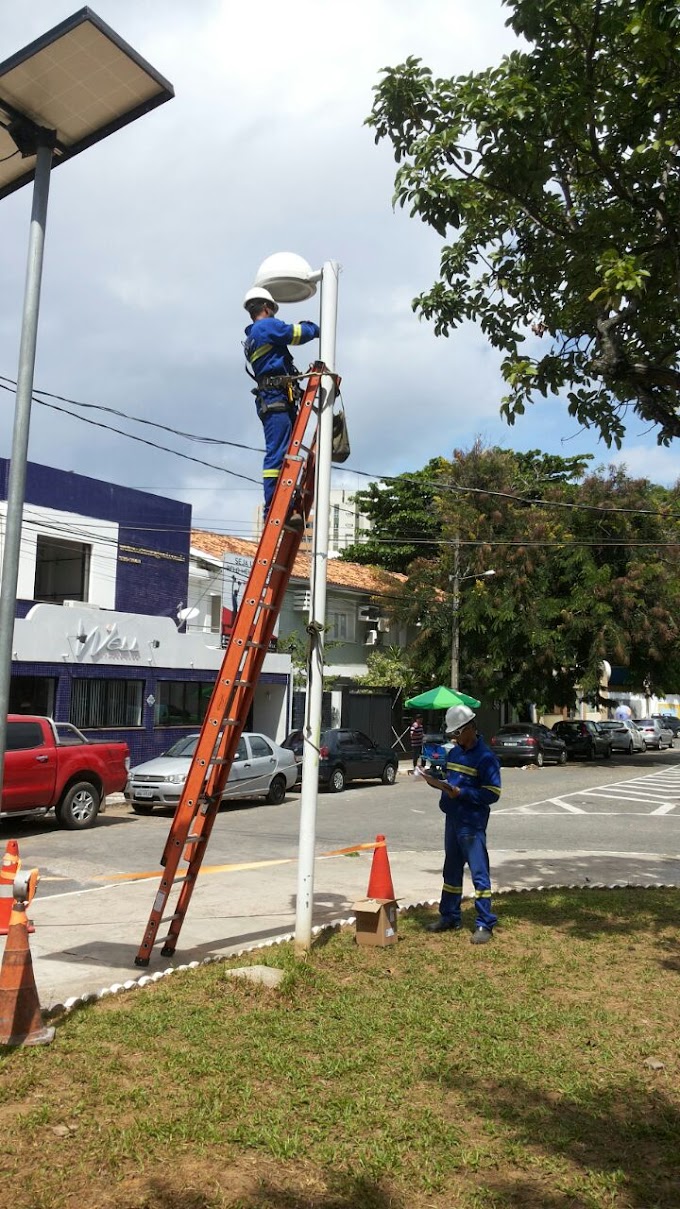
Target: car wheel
pixel 562 758
pixel 142 808
pixel 539 759
pixel 607 753
pixel 337 780
pixel 277 791
pixel 389 775
pixel 79 806
pixel 630 748
pixel 670 744
pixel 644 744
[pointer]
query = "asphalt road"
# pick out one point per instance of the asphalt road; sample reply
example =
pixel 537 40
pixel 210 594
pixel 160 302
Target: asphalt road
pixel 627 804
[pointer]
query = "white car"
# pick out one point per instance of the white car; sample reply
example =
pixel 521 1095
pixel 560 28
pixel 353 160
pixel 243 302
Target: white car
pixel 654 732
pixel 623 735
pixel 260 769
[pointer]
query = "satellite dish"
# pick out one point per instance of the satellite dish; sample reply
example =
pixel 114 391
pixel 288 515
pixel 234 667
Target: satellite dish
pixel 186 615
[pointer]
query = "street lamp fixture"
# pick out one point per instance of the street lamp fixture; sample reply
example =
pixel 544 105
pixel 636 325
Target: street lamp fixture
pixel 289 278
pixel 456 580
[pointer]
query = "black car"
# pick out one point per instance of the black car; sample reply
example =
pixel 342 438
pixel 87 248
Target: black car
pixel 347 755
pixel 528 743
pixel 583 739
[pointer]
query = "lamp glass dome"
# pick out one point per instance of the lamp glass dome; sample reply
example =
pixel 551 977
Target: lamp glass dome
pixel 287 276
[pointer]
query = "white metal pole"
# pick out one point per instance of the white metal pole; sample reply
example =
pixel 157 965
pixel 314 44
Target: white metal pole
pixel 317 613
pixel 22 419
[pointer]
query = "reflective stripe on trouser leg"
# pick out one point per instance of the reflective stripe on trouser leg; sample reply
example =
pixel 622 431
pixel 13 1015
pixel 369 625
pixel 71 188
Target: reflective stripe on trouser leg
pixel 277 426
pixel 454 860
pixel 473 844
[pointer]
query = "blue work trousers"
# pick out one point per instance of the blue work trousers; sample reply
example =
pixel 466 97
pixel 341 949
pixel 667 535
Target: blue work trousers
pixel 466 845
pixel 278 426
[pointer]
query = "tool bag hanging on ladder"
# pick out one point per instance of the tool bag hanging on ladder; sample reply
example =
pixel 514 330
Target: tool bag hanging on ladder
pixel 341 448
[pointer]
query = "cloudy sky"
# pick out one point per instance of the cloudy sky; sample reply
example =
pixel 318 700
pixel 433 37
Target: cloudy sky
pixel 154 235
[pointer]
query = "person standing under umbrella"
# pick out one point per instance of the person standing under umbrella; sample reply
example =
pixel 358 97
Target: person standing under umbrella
pixel 416 735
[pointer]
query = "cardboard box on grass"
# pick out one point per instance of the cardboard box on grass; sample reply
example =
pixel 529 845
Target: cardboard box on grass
pixel 376 921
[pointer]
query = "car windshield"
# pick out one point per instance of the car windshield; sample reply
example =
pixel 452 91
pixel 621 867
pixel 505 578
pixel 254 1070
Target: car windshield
pixel 183 747
pixel 516 730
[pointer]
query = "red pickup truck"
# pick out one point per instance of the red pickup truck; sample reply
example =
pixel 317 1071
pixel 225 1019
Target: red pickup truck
pixel 51 765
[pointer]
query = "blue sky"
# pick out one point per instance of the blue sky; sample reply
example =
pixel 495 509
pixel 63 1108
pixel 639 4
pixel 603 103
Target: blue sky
pixel 155 234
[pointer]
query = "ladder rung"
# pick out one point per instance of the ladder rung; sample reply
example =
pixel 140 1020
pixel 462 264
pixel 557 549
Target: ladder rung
pixel 195 839
pixel 258 646
pixel 242 683
pixel 161 940
pixel 169 919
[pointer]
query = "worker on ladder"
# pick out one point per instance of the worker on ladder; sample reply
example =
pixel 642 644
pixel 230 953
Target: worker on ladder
pixel 270 363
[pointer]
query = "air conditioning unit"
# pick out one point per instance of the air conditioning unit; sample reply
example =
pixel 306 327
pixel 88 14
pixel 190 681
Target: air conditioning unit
pixel 368 612
pixel 383 625
pixel 371 638
pixel 302 602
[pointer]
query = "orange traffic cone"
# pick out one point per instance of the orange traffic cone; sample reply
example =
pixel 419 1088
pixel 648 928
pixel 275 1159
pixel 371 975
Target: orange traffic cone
pixel 21 1021
pixel 380 880
pixel 11 864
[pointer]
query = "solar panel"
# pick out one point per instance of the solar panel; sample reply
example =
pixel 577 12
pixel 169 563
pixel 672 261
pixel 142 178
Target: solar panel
pixel 79 79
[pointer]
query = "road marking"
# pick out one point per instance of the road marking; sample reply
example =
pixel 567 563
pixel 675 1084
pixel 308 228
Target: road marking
pixel 567 806
pixel 665 808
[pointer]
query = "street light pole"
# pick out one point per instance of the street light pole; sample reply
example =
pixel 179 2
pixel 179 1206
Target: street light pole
pixel 455 629
pixel 456 580
pixel 16 490
pixel 317 613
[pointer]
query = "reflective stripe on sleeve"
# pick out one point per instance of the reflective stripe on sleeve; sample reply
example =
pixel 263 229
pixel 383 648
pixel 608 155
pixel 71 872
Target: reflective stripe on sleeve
pixel 471 772
pixel 260 352
pixel 492 789
pixel 270 474
pixel 297 333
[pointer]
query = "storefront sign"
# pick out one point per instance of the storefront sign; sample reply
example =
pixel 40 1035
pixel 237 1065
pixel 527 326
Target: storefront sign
pixel 103 641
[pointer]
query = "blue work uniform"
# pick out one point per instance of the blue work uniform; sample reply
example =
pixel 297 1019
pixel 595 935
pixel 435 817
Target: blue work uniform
pixel 477 774
pixel 269 358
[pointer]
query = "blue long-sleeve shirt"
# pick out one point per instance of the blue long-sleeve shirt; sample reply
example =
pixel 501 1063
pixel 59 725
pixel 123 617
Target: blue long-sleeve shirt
pixel 268 353
pixel 477 774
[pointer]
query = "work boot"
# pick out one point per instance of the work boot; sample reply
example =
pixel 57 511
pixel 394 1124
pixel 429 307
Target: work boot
pixel 445 925
pixel 481 936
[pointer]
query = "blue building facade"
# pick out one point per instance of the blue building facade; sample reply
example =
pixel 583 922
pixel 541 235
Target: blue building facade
pixel 104 571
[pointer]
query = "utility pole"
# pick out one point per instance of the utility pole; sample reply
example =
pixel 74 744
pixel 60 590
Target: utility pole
pixel 455 630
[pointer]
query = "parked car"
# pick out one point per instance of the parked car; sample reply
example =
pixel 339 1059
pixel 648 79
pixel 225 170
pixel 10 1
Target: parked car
pixel 528 743
pixel 347 755
pixel 670 722
pixel 52 766
pixel 656 734
pixel 623 736
pixel 583 739
pixel 261 768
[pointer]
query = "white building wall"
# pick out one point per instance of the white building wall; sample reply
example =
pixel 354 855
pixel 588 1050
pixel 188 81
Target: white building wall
pixel 101 536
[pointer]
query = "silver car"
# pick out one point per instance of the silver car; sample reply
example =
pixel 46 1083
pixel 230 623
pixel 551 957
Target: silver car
pixel 260 769
pixel 655 733
pixel 623 736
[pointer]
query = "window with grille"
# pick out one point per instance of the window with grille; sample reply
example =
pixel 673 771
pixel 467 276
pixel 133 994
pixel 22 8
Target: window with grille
pixel 100 703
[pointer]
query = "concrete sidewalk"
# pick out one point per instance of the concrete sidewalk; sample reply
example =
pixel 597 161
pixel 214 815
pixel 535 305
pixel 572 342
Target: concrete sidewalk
pixel 87 940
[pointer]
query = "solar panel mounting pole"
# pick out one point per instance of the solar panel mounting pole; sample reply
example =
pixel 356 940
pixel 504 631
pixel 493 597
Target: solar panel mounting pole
pixel 22 420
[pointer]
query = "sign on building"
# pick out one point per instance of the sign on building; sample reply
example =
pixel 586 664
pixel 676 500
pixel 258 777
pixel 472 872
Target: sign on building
pixel 235 571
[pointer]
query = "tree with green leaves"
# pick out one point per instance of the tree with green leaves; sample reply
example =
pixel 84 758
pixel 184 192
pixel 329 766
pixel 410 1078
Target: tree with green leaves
pixel 405 508
pixel 586 569
pixel 556 172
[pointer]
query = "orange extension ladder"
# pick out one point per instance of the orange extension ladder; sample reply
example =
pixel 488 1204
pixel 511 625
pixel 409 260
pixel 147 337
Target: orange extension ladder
pixel 234 688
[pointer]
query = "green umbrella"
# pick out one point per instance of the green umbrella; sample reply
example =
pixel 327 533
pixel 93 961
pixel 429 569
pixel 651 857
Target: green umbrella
pixel 441 698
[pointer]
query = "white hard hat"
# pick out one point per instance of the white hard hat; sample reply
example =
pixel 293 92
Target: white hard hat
pixel 458 716
pixel 259 294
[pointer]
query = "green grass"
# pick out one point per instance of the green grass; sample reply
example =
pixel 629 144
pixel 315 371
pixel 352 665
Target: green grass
pixel 427 1074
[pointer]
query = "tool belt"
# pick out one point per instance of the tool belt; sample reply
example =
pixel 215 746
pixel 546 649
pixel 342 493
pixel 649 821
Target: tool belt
pixel 286 384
